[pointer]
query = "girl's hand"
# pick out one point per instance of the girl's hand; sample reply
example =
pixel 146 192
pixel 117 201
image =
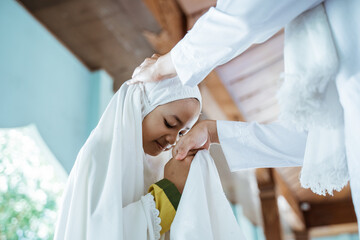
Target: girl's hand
pixel 177 171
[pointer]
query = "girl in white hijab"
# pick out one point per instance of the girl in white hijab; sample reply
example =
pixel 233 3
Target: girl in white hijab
pixel 106 195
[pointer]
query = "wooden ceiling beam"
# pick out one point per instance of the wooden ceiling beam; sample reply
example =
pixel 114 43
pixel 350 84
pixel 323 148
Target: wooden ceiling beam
pixel 218 91
pixel 302 235
pixel 329 213
pixel 172 21
pixel 324 231
pixel 211 107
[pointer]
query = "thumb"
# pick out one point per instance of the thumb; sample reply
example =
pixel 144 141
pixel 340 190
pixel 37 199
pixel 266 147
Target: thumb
pixel 206 145
pixel 181 151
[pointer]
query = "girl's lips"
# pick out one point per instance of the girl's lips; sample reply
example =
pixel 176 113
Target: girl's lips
pixel 160 146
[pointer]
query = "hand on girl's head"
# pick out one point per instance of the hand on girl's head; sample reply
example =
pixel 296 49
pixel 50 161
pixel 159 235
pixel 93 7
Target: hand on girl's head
pixel 145 72
pixel 153 69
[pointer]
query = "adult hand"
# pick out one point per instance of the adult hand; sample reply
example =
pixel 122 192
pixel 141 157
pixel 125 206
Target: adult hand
pixel 199 137
pixel 154 69
pixel 177 171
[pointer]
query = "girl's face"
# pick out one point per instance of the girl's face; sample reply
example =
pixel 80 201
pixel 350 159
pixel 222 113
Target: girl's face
pixel 162 127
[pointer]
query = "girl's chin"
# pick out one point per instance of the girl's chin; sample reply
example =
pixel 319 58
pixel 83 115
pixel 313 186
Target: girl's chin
pixel 153 152
pixel 155 149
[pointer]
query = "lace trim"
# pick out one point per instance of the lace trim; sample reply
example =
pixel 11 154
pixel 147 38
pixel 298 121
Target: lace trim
pixel 149 203
pixel 330 175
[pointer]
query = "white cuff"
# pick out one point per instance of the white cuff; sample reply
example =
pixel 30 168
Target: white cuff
pixel 149 207
pixel 181 58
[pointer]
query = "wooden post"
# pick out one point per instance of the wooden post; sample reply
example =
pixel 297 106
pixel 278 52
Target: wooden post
pixel 298 224
pixel 270 210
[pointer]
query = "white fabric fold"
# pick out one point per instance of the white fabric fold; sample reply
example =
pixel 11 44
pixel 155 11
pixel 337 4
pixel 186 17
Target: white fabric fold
pixel 309 100
pixel 204 211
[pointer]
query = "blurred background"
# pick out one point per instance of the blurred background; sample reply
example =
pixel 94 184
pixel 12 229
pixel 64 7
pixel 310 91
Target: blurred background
pixel 60 63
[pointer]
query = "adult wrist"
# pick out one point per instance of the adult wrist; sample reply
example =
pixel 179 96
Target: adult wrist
pixel 212 131
pixel 164 67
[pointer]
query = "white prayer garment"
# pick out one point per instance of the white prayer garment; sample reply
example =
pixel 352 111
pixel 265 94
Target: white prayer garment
pixel 105 197
pixel 234 25
pixel 204 211
pixel 309 100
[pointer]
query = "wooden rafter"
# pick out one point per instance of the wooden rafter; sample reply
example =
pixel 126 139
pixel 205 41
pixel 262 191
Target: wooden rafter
pixel 172 21
pixel 222 97
pixel 329 213
pixel 302 235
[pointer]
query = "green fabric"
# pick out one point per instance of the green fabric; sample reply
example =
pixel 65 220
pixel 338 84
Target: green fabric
pixel 171 191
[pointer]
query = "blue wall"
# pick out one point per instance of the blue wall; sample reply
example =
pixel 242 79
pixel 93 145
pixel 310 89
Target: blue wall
pixel 41 82
pixel 340 237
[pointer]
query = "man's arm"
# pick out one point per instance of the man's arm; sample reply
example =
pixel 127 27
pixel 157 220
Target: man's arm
pixel 221 34
pixel 227 30
pixel 253 145
pixel 247 145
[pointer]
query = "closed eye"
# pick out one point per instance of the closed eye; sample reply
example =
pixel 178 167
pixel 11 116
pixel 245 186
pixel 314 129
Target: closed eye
pixel 167 124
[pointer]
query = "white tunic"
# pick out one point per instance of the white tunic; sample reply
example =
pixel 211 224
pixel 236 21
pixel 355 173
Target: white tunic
pixel 230 28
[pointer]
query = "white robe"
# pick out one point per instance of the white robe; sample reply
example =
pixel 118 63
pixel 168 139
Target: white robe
pixel 229 29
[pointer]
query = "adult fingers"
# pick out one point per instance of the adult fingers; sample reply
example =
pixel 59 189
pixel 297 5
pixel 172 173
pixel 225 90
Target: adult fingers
pixel 182 148
pixel 192 152
pixel 155 55
pixel 143 71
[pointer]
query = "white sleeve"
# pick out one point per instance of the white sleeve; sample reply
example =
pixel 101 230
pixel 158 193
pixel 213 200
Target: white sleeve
pixel 227 30
pixel 253 145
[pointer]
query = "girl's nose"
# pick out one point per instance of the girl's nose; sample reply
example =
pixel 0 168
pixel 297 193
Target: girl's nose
pixel 172 138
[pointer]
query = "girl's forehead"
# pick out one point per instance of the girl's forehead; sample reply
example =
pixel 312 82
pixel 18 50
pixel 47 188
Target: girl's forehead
pixel 182 102
pixel 184 106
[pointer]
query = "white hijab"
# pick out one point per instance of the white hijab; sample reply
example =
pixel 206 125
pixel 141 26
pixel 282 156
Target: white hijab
pixel 105 197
